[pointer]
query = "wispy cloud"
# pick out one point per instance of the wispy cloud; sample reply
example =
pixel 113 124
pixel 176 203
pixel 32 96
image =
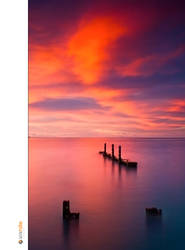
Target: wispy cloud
pixel 78 103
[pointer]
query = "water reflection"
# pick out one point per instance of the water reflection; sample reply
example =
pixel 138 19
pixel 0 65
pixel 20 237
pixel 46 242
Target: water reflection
pixel 113 167
pixel 118 168
pixel 154 224
pixel 131 171
pixel 110 197
pixel 70 232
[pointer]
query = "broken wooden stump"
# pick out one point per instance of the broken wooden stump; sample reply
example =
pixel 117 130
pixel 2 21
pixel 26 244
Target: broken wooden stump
pixel 67 215
pixel 153 211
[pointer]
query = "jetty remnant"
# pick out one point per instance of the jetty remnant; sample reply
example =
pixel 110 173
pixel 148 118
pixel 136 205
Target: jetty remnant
pixel 113 157
pixel 153 211
pixel 105 148
pixel 119 160
pixel 119 154
pixel 67 215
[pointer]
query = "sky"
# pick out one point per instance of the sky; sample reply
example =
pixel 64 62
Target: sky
pixel 106 68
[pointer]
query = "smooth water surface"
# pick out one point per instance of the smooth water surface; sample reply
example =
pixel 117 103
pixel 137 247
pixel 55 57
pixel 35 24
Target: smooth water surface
pixel 111 199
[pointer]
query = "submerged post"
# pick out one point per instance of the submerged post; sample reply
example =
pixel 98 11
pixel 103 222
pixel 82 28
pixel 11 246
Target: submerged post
pixel 119 153
pixel 105 148
pixel 112 151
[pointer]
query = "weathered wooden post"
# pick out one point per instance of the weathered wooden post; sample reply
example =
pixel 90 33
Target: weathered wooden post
pixel 112 151
pixel 105 148
pixel 67 215
pixel 66 209
pixel 119 154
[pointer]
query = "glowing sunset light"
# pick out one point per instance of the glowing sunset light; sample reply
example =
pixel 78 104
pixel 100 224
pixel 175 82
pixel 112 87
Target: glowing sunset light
pixel 113 69
pixel 89 46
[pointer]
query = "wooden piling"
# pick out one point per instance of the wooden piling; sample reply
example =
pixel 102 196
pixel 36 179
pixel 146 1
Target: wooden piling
pixel 67 215
pixel 105 148
pixel 66 209
pixel 112 151
pixel 115 159
pixel 119 157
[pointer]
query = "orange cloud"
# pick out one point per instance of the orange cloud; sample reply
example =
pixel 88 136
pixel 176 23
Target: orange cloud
pixel 80 56
pixel 88 47
pixel 48 64
pixel 176 105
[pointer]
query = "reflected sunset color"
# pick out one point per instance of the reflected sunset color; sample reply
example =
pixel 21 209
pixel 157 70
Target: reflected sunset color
pixel 111 199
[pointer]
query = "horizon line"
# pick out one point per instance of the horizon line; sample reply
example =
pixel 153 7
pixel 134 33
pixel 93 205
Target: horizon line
pixel 141 137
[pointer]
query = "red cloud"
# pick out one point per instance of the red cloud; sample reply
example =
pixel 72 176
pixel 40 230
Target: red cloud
pixel 89 46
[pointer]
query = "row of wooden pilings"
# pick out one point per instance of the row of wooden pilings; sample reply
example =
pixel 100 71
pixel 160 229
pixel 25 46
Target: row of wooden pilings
pixel 113 155
pixel 115 159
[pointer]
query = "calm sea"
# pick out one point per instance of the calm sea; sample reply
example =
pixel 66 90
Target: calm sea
pixel 111 199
